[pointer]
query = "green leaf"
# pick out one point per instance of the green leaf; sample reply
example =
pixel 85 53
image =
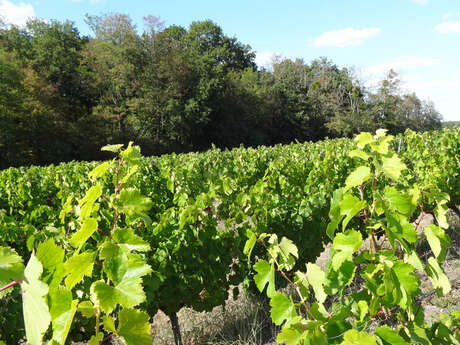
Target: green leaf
pixel 334 212
pixel 393 166
pixel 349 207
pixel 78 266
pixel 389 336
pixel 125 271
pixel 344 245
pixel 358 153
pixel 88 201
pixel 128 238
pixel 35 309
pixel 96 339
pixel 86 308
pixel 109 324
pixel 383 144
pixel 11 267
pixel 413 259
pixel 282 308
pixel 62 312
pixel 440 212
pixel 357 177
pixel 400 228
pixel 288 251
pixel 363 139
pixel 88 228
pixel 438 240
pixel 132 154
pixel 50 254
pixel 381 132
pixel 317 278
pixel 363 310
pixel 438 277
pixel 406 284
pixel 99 171
pixel 131 201
pixel 265 275
pixel 354 337
pixel 338 279
pixel 112 148
pixel 134 327
pixel 289 337
pixel 400 202
pixel 250 243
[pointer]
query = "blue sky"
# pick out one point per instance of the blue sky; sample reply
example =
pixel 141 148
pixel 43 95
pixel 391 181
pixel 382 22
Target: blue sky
pixel 420 39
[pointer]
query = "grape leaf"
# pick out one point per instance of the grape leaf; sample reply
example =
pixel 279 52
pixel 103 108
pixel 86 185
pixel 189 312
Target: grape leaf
pixel 134 327
pixel 35 309
pixel 289 337
pixel 334 212
pixel 354 337
pixel 250 243
pixel 358 153
pixel 438 240
pixel 125 271
pixel 357 177
pixel 363 139
pixel 282 308
pixel 112 148
pixel 349 207
pixel 317 278
pixel 407 283
pixel 389 336
pixel 131 201
pixel 128 238
pixel 11 267
pixel 265 275
pixel 400 202
pixel 393 166
pixel 344 245
pixel 62 312
pixel 99 171
pixel 438 277
pixel 87 309
pixel 88 201
pixel 288 253
pixel 50 255
pixel 87 229
pixel 78 266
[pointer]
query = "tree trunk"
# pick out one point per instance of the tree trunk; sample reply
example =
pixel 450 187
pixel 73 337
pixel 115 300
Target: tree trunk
pixel 175 328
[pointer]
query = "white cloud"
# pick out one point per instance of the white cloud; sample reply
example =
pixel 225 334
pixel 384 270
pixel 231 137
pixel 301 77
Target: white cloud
pixel 420 2
pixel 450 27
pixel 16 14
pixel 265 59
pixel 446 16
pixel 399 64
pixel 348 37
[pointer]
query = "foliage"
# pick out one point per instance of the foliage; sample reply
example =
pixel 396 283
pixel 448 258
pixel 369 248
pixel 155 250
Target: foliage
pixel 378 252
pixel 94 269
pixel 201 205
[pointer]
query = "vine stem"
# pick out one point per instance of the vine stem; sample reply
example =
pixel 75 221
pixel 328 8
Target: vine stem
pixel 98 315
pixel 13 283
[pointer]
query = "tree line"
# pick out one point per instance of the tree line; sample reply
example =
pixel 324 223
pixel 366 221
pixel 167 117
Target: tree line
pixel 63 95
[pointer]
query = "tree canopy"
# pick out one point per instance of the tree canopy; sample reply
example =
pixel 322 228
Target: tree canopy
pixel 175 89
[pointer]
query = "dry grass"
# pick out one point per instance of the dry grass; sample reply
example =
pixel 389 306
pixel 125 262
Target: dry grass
pixel 242 321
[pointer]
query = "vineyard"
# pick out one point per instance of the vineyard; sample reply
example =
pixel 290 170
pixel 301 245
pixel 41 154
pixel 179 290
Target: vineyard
pixel 102 246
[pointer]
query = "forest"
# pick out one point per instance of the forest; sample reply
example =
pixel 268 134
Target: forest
pixel 63 95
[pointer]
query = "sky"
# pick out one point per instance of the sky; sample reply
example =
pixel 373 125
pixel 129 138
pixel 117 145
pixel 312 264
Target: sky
pixel 419 39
